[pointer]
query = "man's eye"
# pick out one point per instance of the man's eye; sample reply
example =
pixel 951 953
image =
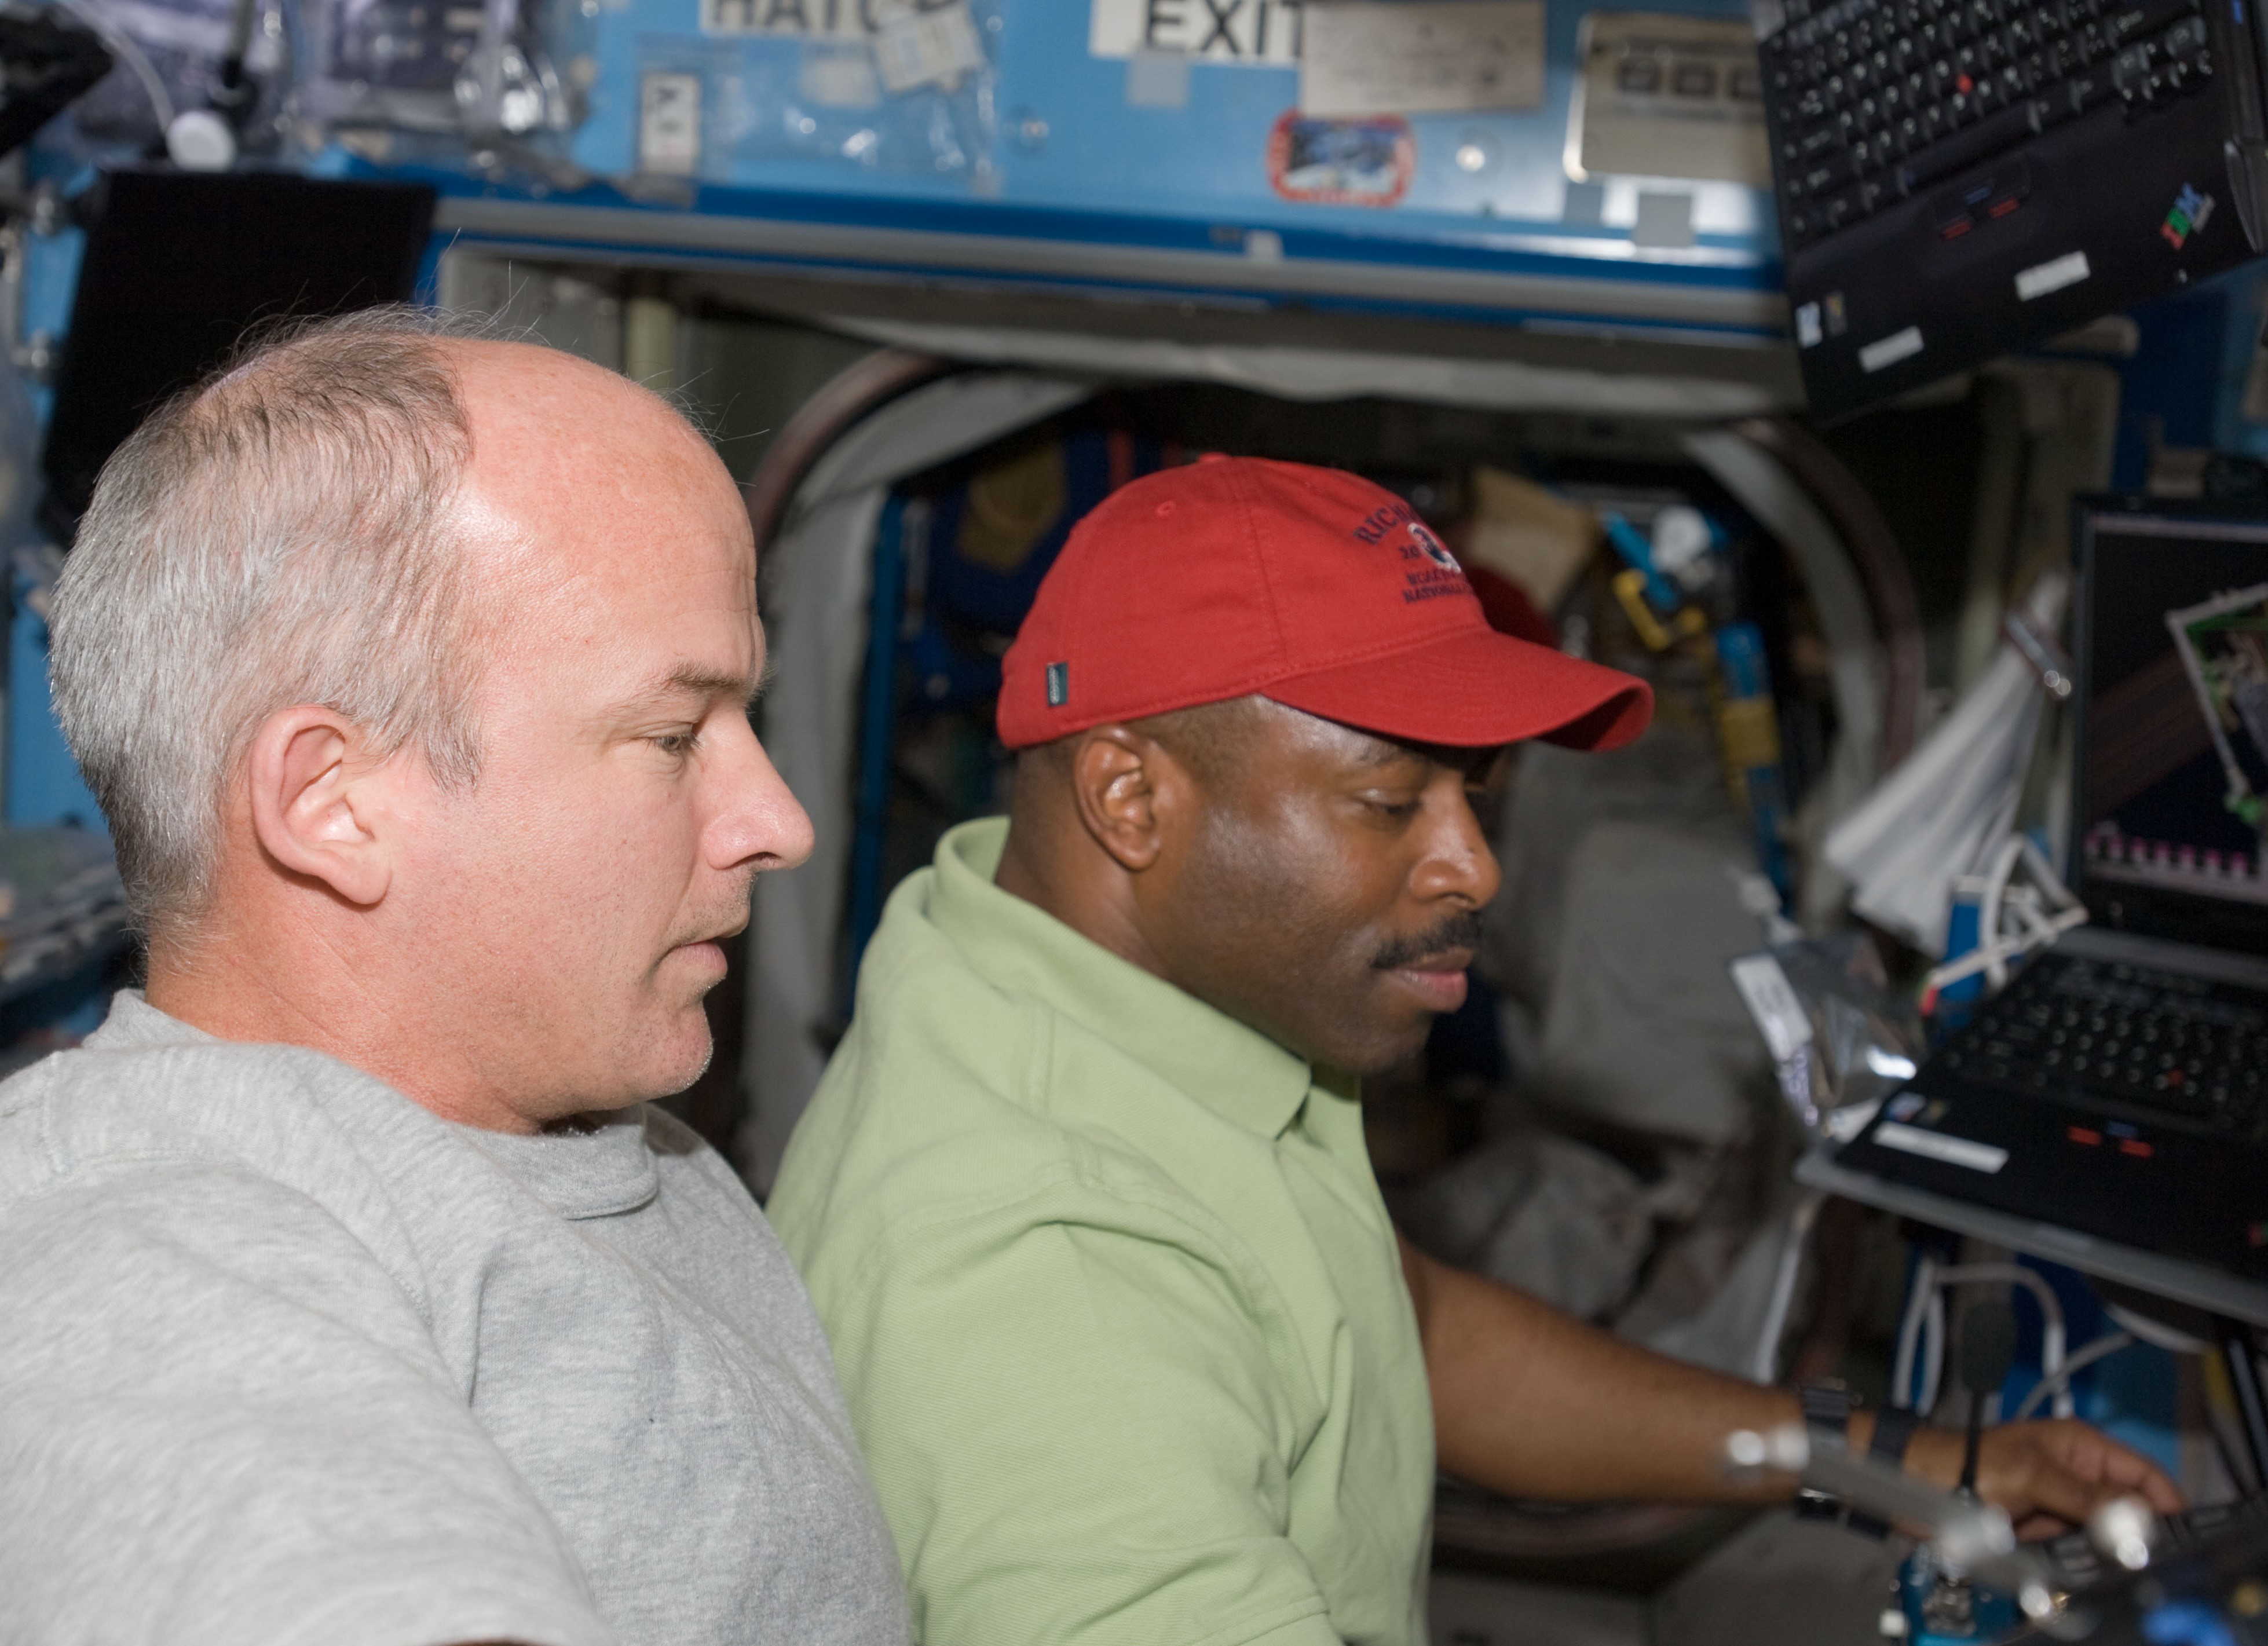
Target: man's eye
pixel 674 743
pixel 1397 809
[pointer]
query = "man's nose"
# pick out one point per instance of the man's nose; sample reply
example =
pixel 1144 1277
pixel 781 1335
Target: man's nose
pixel 758 823
pixel 1459 861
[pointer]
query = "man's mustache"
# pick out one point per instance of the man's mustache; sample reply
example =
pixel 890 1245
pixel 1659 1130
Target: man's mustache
pixel 1458 931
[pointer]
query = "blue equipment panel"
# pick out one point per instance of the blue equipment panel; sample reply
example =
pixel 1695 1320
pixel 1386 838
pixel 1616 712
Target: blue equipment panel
pixel 1150 150
pixel 1037 155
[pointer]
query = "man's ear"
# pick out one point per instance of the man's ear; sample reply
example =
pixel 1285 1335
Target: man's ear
pixel 315 804
pixel 1125 782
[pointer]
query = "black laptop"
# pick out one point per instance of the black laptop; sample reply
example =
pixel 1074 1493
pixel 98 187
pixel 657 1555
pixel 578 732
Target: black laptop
pixel 2118 1086
pixel 1960 178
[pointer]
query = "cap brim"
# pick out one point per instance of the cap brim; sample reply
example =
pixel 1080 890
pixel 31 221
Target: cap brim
pixel 1477 691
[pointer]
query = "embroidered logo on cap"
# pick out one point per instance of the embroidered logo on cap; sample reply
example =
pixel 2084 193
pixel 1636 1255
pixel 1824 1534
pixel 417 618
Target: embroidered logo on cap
pixel 1058 684
pixel 1436 550
pixel 1378 527
pixel 1429 570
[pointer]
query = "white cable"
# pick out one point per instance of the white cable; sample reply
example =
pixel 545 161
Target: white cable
pixel 1925 1284
pixel 131 54
pixel 2052 1335
pixel 1921 1335
pixel 2031 905
pixel 2052 1341
pixel 1932 1358
pixel 1988 913
pixel 2109 1343
pixel 2156 1332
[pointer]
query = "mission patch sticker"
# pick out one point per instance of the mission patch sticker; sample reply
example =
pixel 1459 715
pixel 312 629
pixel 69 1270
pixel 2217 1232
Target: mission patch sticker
pixel 1367 162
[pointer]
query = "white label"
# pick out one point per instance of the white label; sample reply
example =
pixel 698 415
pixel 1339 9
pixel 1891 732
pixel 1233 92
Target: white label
pixel 2068 271
pixel 669 124
pixel 839 76
pixel 1772 1002
pixel 1420 57
pixel 1249 33
pixel 1955 1151
pixel 928 48
pixel 1807 326
pixel 811 19
pixel 1887 351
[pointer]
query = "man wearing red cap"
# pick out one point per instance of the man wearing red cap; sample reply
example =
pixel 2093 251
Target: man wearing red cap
pixel 1133 1350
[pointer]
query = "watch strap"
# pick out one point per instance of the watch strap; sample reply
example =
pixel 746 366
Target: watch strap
pixel 1894 1430
pixel 1827 1412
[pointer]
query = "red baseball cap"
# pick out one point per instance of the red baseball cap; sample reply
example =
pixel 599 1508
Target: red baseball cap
pixel 1240 577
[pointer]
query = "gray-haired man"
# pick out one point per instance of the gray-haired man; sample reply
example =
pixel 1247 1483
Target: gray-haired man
pixel 348 1291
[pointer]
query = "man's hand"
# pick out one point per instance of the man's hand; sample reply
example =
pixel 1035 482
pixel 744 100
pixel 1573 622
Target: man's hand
pixel 2048 1475
pixel 1533 1404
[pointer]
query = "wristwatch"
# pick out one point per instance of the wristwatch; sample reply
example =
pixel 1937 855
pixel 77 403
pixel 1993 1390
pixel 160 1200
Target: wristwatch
pixel 1827 1416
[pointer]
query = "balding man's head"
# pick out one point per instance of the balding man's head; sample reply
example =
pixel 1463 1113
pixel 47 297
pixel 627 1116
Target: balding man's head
pixel 287 532
pixel 413 670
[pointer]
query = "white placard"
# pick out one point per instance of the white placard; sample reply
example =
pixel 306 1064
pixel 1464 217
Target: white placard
pixel 1666 96
pixel 1771 1001
pixel 669 124
pixel 928 48
pixel 839 74
pixel 1371 57
pixel 1244 34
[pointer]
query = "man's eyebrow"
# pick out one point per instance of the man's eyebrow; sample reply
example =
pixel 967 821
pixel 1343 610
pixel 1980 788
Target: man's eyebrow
pixel 692 680
pixel 1381 752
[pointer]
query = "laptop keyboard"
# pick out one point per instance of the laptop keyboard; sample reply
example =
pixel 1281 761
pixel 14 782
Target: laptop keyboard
pixel 1877 100
pixel 2128 1041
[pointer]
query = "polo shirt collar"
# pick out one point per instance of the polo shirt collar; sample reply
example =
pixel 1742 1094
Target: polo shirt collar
pixel 1232 1070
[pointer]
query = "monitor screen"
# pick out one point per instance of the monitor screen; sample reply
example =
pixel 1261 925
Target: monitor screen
pixel 2172 776
pixel 178 264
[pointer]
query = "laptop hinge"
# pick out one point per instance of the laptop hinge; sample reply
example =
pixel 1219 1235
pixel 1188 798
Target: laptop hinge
pixel 2101 942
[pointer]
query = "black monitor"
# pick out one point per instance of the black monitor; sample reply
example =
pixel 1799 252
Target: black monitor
pixel 180 264
pixel 2170 780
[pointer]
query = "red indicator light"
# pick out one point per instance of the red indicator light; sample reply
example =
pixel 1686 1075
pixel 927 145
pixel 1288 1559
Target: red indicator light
pixel 2135 1147
pixel 2085 1134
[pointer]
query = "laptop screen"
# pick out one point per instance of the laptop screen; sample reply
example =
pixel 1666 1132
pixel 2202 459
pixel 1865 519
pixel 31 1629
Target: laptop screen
pixel 2171 775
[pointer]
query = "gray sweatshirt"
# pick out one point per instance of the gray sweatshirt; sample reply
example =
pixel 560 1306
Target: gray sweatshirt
pixel 284 1358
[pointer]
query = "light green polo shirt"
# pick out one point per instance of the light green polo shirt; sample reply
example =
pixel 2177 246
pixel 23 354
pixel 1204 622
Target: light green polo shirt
pixel 1113 1294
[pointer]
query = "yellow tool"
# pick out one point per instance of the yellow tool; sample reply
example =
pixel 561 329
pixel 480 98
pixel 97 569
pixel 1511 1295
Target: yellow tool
pixel 1630 588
